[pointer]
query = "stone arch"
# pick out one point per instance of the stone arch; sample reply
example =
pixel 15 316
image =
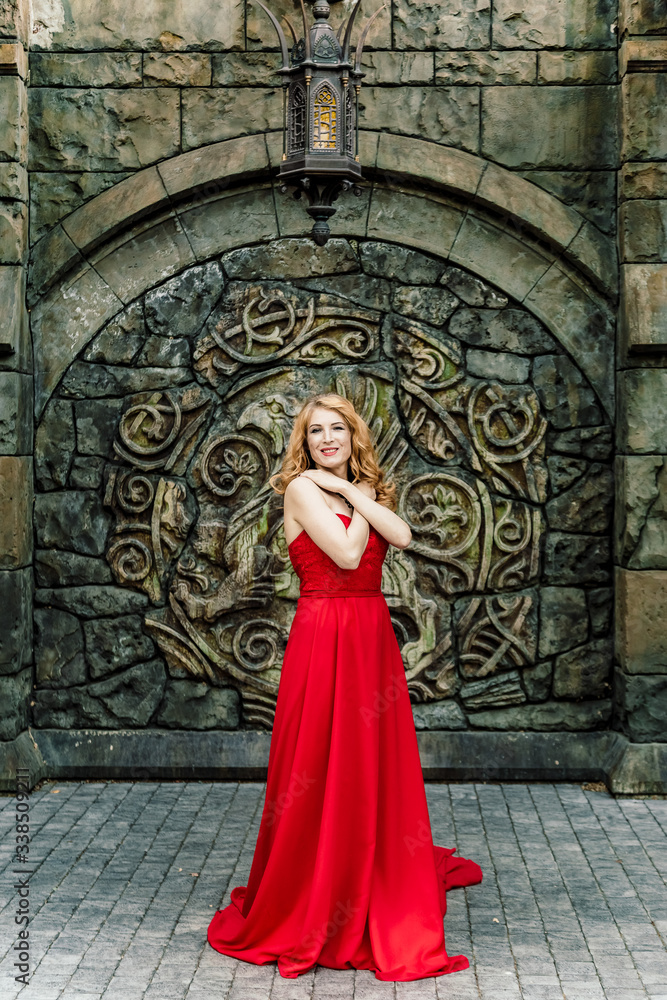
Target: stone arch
pixel 449 203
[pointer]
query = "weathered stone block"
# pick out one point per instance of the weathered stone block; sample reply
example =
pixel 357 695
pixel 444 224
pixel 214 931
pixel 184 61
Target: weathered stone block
pixel 189 704
pixel 220 224
pixel 485 68
pixel 72 521
pixel 546 717
pixel 584 672
pixel 13 59
pixel 54 445
pixel 643 231
pixel 86 473
pixel 563 619
pixel 597 257
pixel 442 24
pixel 600 610
pixel 564 471
pixel 14 698
pixel 13 181
pixel 571 560
pixel 15 19
pixel 290 258
pixel 398 67
pixel 439 715
pixel 431 305
pixel 588 24
pixel 54 568
pixel 576 67
pixel 564 392
pixel 643 312
pixel 397 157
pixel 508 330
pixel 550 126
pixel 59 659
pixel 85 380
pixel 54 195
pixel 642 17
pixel 120 340
pixel 177 69
pixel 92 601
pixel 473 291
pixel 386 260
pixel 644 132
pixel 85 69
pixel 16 425
pixel 496 365
pixel 642 419
pixel 16 631
pixel 16 494
pixel 96 423
pixel 498 256
pixel 644 180
pixel 372 293
pixel 102 129
pixel 155 24
pixel 181 306
pixel 595 443
pixel 493 692
pixel 443 114
pixel 591 192
pixel 245 69
pixel 13 119
pixel 587 505
pixel 641 622
pixel 13 232
pixel 537 681
pixel 165 352
pixel 115 643
pixel 62 324
pixel 221 113
pixel 641 511
pixel 123 701
pixel 642 707
pixel 16 331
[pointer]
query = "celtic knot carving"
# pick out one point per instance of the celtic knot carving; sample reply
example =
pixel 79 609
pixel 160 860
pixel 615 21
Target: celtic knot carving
pixel 199 529
pixel 272 328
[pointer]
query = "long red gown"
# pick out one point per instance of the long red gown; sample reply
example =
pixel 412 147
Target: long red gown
pixel 345 873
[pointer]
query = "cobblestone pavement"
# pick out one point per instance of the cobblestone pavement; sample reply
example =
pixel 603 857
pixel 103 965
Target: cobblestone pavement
pixel 127 875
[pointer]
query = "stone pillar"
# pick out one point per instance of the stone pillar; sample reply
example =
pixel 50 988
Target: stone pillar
pixel 16 420
pixel 641 469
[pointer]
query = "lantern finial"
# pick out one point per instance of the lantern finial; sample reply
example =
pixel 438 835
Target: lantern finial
pixel 321 112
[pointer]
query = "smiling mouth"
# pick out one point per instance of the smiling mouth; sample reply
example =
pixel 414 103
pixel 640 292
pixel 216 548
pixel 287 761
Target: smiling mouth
pixel 328 451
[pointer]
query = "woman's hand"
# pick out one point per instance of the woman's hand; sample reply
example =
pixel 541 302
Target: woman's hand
pixel 327 480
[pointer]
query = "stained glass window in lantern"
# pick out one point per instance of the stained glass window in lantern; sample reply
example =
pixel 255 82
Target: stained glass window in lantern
pixel 297 122
pixel 325 118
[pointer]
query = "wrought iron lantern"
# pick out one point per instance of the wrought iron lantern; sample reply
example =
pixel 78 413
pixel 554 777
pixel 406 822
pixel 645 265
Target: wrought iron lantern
pixel 321 111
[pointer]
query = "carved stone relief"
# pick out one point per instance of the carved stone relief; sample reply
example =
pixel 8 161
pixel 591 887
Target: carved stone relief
pixel 196 529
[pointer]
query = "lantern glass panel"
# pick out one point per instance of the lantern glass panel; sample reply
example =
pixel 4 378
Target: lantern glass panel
pixel 325 118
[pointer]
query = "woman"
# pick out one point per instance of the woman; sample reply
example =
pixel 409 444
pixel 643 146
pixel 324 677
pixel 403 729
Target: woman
pixel 345 873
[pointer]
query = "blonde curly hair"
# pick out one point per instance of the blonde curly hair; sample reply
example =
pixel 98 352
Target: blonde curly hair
pixel 363 463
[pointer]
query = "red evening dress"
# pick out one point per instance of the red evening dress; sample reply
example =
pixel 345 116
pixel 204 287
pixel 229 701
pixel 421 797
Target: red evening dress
pixel 345 873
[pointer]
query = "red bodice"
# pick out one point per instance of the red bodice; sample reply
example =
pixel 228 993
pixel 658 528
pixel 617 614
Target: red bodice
pixel 321 577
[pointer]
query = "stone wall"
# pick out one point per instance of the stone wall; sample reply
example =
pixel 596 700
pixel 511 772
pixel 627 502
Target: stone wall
pixel 157 532
pixel 515 89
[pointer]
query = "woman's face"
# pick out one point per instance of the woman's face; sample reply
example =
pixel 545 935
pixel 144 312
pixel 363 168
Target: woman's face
pixel 329 440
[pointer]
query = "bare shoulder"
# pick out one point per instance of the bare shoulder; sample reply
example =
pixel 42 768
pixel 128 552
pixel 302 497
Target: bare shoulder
pixel 302 491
